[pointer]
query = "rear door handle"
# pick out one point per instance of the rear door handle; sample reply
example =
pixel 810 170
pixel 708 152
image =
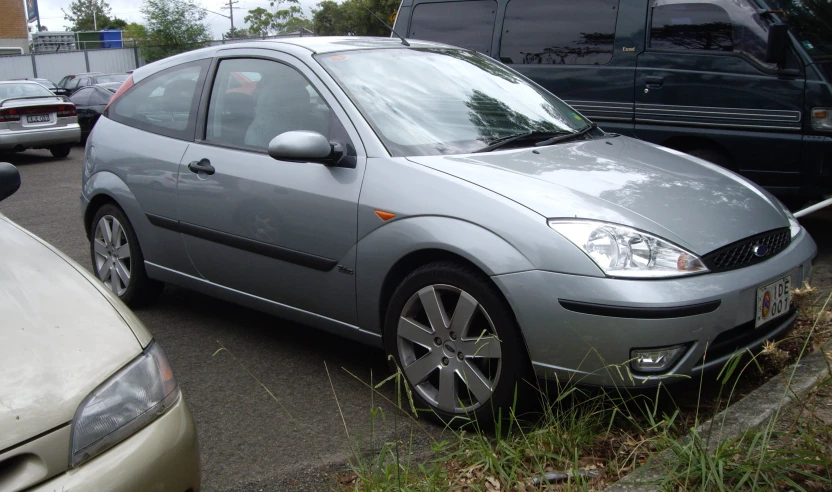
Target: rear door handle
pixel 202 166
pixel 654 82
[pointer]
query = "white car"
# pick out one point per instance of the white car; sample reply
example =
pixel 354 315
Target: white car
pixel 32 117
pixel 88 400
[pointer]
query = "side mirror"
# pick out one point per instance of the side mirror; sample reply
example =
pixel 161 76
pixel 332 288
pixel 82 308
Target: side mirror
pixel 9 180
pixel 778 40
pixel 302 145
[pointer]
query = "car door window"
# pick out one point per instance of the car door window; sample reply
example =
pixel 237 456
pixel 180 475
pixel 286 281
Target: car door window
pixel 465 24
pixel 82 97
pixel 562 33
pixel 709 25
pixel 255 100
pixel 100 97
pixel 164 103
pixel 71 84
pixel 83 82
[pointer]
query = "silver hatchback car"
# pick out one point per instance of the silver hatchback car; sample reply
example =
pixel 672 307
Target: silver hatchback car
pixel 431 201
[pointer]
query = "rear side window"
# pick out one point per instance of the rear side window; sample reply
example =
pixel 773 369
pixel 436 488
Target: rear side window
pixel 82 97
pixel 465 24
pixel 577 32
pixel 709 25
pixel 164 103
pixel 71 84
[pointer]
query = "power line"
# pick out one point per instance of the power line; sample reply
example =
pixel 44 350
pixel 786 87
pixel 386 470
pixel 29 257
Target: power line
pixel 231 8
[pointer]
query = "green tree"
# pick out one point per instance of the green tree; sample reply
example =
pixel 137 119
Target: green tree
pixel 173 26
pixel 85 15
pixel 352 18
pixel 114 23
pixel 134 33
pixel 288 16
pixel 238 34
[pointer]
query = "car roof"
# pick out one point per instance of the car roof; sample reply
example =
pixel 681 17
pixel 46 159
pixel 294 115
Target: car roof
pixel 328 44
pixel 21 81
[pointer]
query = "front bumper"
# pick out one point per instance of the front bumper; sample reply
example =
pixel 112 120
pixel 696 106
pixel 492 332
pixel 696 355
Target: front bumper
pixel 40 138
pixel 162 456
pixel 577 347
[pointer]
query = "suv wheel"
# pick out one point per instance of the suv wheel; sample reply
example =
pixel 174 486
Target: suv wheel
pixel 456 341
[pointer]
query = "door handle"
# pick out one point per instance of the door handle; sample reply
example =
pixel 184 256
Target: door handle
pixel 654 82
pixel 202 166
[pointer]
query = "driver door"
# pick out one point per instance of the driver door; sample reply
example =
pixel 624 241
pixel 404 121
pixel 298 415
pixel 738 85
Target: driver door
pixel 278 230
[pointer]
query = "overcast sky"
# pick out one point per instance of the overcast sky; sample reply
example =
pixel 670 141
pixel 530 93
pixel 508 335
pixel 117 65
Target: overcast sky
pixel 129 10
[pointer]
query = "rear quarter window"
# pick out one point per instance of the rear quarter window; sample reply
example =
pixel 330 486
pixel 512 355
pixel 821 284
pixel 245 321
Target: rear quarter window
pixel 164 103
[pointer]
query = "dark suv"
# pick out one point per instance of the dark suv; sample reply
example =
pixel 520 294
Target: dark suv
pixel 746 84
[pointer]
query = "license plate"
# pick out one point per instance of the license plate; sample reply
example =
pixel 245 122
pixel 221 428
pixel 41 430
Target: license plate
pixel 37 118
pixel 773 300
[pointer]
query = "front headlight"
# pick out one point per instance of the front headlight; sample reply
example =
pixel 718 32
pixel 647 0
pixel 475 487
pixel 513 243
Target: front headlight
pixel 625 252
pixel 128 401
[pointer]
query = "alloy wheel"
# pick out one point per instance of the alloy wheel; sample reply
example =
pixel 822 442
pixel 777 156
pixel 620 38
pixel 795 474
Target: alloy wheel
pixel 449 348
pixel 112 254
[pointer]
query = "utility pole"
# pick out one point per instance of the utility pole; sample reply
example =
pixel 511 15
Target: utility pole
pixel 231 8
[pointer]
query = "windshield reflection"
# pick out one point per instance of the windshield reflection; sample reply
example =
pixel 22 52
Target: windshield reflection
pixel 445 101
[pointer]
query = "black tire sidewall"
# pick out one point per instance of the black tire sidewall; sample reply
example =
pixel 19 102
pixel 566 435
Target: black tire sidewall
pixel 514 355
pixel 60 151
pixel 140 288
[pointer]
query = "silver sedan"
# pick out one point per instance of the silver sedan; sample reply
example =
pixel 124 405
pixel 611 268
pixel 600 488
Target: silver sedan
pixel 32 117
pixel 432 201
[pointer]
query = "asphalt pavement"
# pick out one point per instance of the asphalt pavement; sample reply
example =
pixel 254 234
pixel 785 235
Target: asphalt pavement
pixel 250 440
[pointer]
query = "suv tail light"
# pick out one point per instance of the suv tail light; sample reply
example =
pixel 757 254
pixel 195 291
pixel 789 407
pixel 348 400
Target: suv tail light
pixel 127 84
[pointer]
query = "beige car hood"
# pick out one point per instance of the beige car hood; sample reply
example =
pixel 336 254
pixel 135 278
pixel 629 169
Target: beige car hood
pixel 61 335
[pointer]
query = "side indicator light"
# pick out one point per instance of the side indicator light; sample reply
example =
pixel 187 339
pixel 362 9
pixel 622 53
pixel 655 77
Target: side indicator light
pixel 385 216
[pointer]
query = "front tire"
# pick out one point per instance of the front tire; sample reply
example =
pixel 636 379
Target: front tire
pixel 60 151
pixel 117 258
pixel 456 341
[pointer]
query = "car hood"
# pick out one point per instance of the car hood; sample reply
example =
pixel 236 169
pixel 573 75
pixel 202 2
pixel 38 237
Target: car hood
pixel 61 336
pixel 686 200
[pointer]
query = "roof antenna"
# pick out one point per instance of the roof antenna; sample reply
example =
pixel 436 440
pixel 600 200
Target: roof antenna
pixel 404 41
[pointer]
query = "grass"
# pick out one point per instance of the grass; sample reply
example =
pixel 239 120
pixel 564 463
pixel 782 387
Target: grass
pixel 583 439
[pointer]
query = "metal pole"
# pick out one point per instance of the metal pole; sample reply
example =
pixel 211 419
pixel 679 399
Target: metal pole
pixel 34 66
pixel 231 16
pixel 813 208
pixel 86 57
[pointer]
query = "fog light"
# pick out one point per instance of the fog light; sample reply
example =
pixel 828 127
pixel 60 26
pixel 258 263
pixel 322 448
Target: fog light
pixel 655 359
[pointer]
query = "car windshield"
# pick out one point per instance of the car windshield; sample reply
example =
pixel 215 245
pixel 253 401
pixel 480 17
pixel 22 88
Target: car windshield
pixel 117 77
pixel 811 22
pixel 446 101
pixel 23 90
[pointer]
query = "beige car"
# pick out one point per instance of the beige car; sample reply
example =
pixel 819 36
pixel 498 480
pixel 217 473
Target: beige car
pixel 88 400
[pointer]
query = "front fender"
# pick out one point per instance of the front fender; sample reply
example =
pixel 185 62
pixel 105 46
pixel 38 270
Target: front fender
pixel 160 246
pixel 380 250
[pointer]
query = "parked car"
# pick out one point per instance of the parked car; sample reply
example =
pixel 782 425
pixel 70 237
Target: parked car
pixel 90 101
pixel 89 399
pixel 31 117
pixel 436 203
pixel 54 89
pixel 77 81
pixel 724 80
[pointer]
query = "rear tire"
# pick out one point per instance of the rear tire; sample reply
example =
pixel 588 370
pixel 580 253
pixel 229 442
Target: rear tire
pixel 117 258
pixel 457 343
pixel 60 151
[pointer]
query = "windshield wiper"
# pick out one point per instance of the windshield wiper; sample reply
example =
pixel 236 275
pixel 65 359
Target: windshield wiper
pixel 503 141
pixel 564 138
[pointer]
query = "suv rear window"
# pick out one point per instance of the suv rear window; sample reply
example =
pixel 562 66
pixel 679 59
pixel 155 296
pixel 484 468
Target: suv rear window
pixel 164 103
pixel 464 24
pixel 580 32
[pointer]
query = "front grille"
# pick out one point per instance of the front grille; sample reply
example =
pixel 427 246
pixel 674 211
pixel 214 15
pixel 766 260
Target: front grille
pixel 741 253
